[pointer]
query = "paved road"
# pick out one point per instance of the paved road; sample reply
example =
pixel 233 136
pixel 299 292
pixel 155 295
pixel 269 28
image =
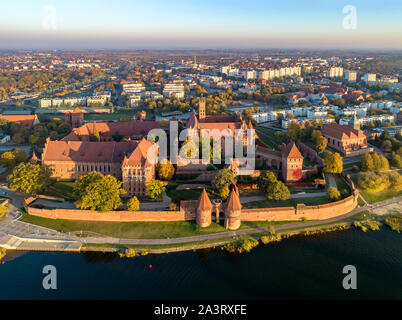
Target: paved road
pixel 300 195
pixel 20 235
pixel 15 234
pixel 236 233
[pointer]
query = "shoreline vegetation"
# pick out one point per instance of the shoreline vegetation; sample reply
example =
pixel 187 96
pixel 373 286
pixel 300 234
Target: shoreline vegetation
pixel 242 244
pixel 245 243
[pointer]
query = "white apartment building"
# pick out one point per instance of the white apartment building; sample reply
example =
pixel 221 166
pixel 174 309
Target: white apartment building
pixel 264 117
pixel 134 100
pixel 351 76
pixel 230 71
pixel 45 103
pixel 250 75
pixel 132 87
pixel 316 113
pixel 369 77
pixel 335 72
pixel 176 88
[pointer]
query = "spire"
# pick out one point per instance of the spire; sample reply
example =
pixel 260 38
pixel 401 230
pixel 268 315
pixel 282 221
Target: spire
pixel 34 158
pixel 233 203
pixel 354 123
pixel 204 204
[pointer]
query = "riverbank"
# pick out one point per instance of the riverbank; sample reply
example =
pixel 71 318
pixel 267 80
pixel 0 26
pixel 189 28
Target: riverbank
pixel 263 237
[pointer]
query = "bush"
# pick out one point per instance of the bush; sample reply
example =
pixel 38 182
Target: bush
pixel 333 194
pixel 2 253
pixel 395 179
pixel 368 225
pixel 241 246
pixel 128 253
pixel 271 238
pixel 173 206
pixel 373 182
pixel 133 204
pixel 395 223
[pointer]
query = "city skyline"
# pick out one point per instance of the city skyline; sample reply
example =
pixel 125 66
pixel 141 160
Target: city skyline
pixel 198 25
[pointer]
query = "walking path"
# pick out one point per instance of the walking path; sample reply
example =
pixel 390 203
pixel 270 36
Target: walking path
pixel 19 235
pixel 300 195
pixel 295 225
pixel 331 181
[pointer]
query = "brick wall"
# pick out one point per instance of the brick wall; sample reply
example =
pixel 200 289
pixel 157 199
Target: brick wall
pixel 114 216
pixel 187 212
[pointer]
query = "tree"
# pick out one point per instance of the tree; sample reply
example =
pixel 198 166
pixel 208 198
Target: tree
pixel 396 160
pixel 294 130
pixel 333 163
pixel 278 191
pixel 29 178
pixel 155 189
pixel 10 159
pixel 274 189
pixel 265 180
pixel 224 193
pixel 321 144
pixel 96 136
pixel 386 146
pixel 165 170
pixel 133 204
pixel 333 194
pixel 224 178
pixel 95 191
pixel 366 162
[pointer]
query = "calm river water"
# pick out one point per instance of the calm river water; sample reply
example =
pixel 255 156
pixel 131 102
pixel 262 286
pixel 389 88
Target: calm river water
pixel 300 267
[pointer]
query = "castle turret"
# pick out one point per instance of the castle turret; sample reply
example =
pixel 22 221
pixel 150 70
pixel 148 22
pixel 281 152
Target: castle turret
pixel 204 210
pixel 233 211
pixel 202 113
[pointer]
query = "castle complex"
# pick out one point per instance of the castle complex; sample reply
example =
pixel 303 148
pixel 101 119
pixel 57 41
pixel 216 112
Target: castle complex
pixel 126 161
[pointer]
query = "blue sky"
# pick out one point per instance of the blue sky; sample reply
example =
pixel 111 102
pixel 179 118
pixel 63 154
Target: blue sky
pixel 201 24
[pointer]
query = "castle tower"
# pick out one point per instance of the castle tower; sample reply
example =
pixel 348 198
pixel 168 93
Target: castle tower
pixel 76 118
pixel 204 210
pixel 292 163
pixel 233 211
pixel 354 123
pixel 202 109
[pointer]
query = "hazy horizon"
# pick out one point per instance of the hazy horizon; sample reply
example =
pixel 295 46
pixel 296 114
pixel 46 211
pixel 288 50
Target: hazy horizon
pixel 195 25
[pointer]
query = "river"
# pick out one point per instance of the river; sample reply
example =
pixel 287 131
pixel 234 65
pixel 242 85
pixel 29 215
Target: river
pixel 296 268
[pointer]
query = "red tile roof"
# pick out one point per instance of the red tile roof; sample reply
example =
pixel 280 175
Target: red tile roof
pixel 233 203
pixel 130 128
pixel 86 151
pixel 25 120
pixel 291 151
pixel 204 204
pixel 341 132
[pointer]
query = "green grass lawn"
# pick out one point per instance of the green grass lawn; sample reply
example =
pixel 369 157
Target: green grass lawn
pixel 373 197
pixel 342 185
pixel 192 194
pixel 61 189
pixel 140 230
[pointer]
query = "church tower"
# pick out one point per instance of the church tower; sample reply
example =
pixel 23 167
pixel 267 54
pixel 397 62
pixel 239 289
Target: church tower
pixel 202 110
pixel 354 123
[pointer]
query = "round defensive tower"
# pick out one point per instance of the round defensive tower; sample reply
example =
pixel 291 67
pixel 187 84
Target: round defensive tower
pixel 233 211
pixel 204 211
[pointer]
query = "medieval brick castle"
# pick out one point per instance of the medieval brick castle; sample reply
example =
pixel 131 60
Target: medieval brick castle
pixel 119 149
